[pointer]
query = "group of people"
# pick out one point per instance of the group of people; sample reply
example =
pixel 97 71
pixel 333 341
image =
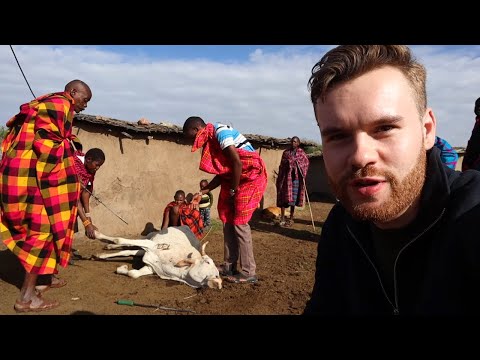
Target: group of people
pixel 191 210
pixel 401 239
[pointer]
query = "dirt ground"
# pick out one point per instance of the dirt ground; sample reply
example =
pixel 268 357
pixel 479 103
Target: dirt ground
pixel 285 267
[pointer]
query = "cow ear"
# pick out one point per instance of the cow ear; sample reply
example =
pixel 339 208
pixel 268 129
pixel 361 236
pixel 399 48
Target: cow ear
pixel 184 262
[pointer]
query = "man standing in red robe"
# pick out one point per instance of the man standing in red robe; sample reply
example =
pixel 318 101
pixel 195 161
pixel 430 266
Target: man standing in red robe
pixel 39 189
pixel 241 173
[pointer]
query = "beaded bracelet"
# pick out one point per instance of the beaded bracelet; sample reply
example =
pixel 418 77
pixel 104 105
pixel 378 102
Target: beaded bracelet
pixel 87 222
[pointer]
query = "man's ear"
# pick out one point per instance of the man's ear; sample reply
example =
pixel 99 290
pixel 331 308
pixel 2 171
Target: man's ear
pixel 429 129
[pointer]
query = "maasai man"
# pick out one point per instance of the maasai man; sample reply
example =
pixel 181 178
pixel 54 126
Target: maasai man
pixel 40 189
pixel 471 160
pixel 241 173
pixel 87 166
pixel 291 180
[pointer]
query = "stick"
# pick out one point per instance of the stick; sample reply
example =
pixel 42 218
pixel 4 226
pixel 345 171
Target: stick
pixel 95 197
pixel 100 201
pixel 131 303
pixel 306 194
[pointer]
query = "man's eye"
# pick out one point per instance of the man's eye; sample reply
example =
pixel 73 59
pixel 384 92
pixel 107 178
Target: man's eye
pixel 385 128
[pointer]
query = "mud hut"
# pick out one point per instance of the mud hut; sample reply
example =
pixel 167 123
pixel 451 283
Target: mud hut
pixel 145 164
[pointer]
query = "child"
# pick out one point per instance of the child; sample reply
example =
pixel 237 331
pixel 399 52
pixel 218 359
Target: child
pixel 205 204
pixel 189 198
pixel 86 166
pixel 178 212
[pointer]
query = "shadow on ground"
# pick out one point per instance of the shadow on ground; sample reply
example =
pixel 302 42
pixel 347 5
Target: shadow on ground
pixel 11 271
pixel 268 226
pixel 82 312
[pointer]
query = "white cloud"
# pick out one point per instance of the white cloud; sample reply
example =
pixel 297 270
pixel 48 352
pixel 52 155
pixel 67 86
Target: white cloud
pixel 267 94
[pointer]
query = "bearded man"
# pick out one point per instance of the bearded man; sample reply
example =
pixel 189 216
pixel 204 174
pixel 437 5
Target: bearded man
pixel 402 239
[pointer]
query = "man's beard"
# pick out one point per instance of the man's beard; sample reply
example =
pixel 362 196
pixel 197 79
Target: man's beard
pixel 402 195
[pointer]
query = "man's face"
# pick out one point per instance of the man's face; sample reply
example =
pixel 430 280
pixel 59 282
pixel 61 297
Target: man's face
pixel 93 165
pixel 190 133
pixel 295 143
pixel 82 96
pixel 374 145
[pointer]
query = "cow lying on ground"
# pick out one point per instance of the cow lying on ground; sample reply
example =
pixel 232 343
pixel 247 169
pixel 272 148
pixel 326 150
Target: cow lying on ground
pixel 173 254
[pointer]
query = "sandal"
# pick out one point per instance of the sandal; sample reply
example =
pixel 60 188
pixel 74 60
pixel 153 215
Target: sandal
pixel 54 285
pixel 241 279
pixel 59 283
pixel 288 223
pixel 21 307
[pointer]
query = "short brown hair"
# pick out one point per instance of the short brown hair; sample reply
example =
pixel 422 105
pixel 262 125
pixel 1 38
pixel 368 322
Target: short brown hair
pixel 347 62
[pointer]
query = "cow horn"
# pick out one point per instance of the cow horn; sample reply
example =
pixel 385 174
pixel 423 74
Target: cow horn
pixel 203 248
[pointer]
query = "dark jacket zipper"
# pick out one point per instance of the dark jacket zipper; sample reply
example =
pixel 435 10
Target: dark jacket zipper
pixel 394 306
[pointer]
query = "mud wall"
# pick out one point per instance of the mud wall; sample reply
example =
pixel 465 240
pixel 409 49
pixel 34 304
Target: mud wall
pixel 140 176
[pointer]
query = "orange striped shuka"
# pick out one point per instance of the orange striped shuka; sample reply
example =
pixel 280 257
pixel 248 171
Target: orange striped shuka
pixel 39 188
pixel 253 180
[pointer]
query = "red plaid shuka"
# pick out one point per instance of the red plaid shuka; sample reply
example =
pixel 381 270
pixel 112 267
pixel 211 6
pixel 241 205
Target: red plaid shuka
pixel 83 175
pixel 253 180
pixel 190 217
pixel 292 165
pixel 38 184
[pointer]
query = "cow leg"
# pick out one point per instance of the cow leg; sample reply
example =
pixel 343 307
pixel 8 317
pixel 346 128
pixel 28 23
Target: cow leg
pixel 120 253
pixel 115 246
pixel 122 241
pixel 146 244
pixel 146 270
pixel 122 270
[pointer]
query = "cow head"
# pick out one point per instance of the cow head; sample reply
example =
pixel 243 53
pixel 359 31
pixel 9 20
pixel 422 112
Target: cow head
pixel 203 270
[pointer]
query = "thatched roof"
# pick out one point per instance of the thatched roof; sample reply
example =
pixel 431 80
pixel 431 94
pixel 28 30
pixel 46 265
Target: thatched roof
pixel 133 129
pixel 315 155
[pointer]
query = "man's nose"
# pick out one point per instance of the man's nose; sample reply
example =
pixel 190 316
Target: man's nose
pixel 364 151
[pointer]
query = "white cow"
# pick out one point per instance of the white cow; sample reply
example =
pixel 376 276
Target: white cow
pixel 173 254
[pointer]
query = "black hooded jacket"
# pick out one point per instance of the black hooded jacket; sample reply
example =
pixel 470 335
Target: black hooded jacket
pixel 437 272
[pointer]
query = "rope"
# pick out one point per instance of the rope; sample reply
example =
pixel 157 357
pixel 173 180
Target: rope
pixel 208 232
pixel 22 72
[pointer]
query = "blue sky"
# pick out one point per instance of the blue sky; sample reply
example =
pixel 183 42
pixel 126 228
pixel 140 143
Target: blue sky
pixel 259 89
pixel 224 53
